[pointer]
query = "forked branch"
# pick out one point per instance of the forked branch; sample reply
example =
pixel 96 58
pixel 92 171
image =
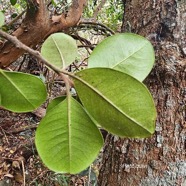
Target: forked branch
pixel 37 26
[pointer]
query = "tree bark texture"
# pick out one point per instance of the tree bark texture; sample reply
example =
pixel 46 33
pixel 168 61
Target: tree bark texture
pixel 161 159
pixel 37 26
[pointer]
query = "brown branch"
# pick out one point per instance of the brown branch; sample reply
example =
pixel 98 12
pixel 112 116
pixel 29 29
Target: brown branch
pixel 31 32
pixel 36 54
pixel 17 130
pixel 70 19
pixel 83 40
pixel 21 129
pixel 99 7
pixel 22 46
pixel 37 26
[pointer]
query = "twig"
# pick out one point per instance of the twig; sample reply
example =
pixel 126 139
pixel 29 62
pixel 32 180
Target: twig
pixel 83 40
pixel 20 66
pixel 16 18
pixel 96 24
pixel 86 46
pixel 15 131
pixel 22 129
pixel 99 7
pixel 41 174
pixel 35 53
pixel 89 174
pixel 5 135
pixel 23 168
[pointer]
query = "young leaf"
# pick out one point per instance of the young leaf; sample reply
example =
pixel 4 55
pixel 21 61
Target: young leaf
pixel 21 92
pixel 59 49
pixel 128 53
pixel 67 140
pixel 2 18
pixel 118 102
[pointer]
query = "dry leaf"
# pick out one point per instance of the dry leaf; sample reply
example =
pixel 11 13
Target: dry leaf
pixel 18 177
pixel 1 148
pixel 9 175
pixel 40 112
pixel 5 166
pixel 15 164
pixel 11 151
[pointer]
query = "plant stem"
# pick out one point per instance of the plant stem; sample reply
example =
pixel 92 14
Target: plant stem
pixel 37 54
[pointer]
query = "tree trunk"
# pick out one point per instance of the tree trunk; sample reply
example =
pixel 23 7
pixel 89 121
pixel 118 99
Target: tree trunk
pixel 161 159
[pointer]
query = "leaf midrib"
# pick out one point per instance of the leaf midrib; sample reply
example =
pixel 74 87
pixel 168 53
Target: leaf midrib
pixel 129 55
pixel 69 129
pixel 107 100
pixel 61 55
pixel 10 81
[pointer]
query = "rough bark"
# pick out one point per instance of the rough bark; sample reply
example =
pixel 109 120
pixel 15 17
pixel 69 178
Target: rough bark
pixel 161 159
pixel 37 26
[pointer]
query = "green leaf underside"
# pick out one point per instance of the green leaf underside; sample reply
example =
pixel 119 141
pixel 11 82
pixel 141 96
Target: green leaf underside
pixel 55 102
pixel 1 19
pixel 59 49
pixel 21 92
pixel 118 102
pixel 128 53
pixel 67 140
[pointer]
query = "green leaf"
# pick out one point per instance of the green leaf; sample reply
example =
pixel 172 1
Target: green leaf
pixel 59 49
pixel 58 100
pixel 67 140
pixel 128 53
pixel 118 102
pixel 21 92
pixel 2 19
pixel 13 2
pixel 55 102
pixel 53 3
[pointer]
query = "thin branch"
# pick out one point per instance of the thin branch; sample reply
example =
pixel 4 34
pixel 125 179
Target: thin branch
pixel 84 41
pixel 123 24
pixel 70 19
pixel 99 7
pixel 96 24
pixel 36 54
pixel 37 26
pixel 21 129
pixel 16 18
pixel 23 169
pixel 32 31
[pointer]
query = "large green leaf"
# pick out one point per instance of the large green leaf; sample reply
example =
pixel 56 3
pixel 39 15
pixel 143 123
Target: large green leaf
pixel 59 49
pixel 129 53
pixel 21 92
pixel 67 140
pixel 118 102
pixel 1 19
